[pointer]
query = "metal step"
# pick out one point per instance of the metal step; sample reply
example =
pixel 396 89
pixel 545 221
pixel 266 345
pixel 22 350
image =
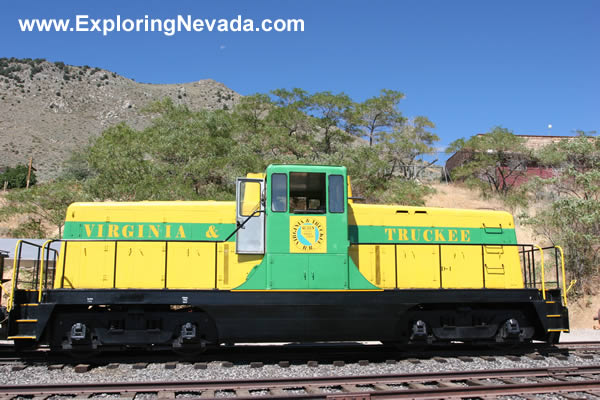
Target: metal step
pixel 27 320
pixel 24 327
pixel 26 311
pixel 556 323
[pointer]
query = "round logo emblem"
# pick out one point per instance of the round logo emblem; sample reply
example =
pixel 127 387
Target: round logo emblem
pixel 308 234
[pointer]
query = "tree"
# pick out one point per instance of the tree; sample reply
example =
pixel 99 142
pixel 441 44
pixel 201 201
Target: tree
pixel 76 166
pixel 183 155
pixel 293 126
pixel 292 131
pixel 250 113
pixel 494 160
pixel 372 181
pixel 377 115
pixel 119 169
pixel 192 152
pixel 572 218
pixel 330 111
pixel 402 148
pixel 251 131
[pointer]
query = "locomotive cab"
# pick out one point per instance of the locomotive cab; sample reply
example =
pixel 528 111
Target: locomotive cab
pixel 303 218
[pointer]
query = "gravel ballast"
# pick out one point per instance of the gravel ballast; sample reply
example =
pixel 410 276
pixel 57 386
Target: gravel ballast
pixel 40 374
pixel 217 370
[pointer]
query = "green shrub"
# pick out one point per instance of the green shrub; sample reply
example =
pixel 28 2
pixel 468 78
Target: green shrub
pixel 17 177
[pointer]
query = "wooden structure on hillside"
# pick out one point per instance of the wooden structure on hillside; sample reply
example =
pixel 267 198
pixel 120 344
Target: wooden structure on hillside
pixel 531 167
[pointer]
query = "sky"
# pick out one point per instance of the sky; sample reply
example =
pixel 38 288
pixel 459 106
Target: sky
pixel 467 65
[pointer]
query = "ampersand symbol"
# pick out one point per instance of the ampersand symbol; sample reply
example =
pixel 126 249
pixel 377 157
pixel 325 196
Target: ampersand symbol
pixel 211 233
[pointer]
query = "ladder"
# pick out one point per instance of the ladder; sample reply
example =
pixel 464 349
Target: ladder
pixel 29 281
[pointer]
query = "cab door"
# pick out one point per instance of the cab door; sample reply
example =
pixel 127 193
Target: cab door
pixel 250 216
pixel 307 228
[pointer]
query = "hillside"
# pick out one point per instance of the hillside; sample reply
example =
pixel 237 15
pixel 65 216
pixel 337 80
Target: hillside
pixel 49 109
pixel 456 195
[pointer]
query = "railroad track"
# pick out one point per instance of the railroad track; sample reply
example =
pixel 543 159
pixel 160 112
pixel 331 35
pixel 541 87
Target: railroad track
pixel 472 384
pixel 579 345
pixel 302 354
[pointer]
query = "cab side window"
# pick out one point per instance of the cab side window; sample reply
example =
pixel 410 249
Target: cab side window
pixel 336 193
pixel 279 192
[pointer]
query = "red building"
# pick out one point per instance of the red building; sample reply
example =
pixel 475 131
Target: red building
pixel 529 169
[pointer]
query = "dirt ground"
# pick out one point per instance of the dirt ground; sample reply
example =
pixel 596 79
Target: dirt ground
pixel 582 312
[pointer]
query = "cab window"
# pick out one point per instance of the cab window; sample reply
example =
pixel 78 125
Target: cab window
pixel 249 198
pixel 336 193
pixel 307 193
pixel 279 192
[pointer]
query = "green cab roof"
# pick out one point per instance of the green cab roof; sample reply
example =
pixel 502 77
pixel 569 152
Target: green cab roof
pixel 284 168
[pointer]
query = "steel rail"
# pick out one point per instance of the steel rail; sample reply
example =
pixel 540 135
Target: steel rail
pixel 589 345
pixel 488 390
pixel 316 382
pixel 323 353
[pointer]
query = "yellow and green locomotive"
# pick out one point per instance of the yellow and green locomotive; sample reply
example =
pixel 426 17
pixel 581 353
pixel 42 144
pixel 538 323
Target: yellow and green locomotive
pixel 294 258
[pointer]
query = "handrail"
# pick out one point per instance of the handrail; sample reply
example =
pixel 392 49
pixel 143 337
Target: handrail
pixel 562 265
pixel 573 282
pixel 36 274
pixel 9 305
pixel 46 247
pixel 240 226
pixel 41 287
pixel 523 248
pixel 543 276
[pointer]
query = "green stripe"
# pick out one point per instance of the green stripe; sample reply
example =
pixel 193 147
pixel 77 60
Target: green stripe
pixel 357 234
pixel 423 234
pixel 147 231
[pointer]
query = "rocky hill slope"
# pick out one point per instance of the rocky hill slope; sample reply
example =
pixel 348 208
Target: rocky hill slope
pixel 49 109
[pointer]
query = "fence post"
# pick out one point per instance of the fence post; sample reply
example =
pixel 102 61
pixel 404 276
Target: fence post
pixel 29 171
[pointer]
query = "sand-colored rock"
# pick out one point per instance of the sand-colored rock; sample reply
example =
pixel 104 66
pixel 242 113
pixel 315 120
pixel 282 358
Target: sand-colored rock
pixel 60 108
